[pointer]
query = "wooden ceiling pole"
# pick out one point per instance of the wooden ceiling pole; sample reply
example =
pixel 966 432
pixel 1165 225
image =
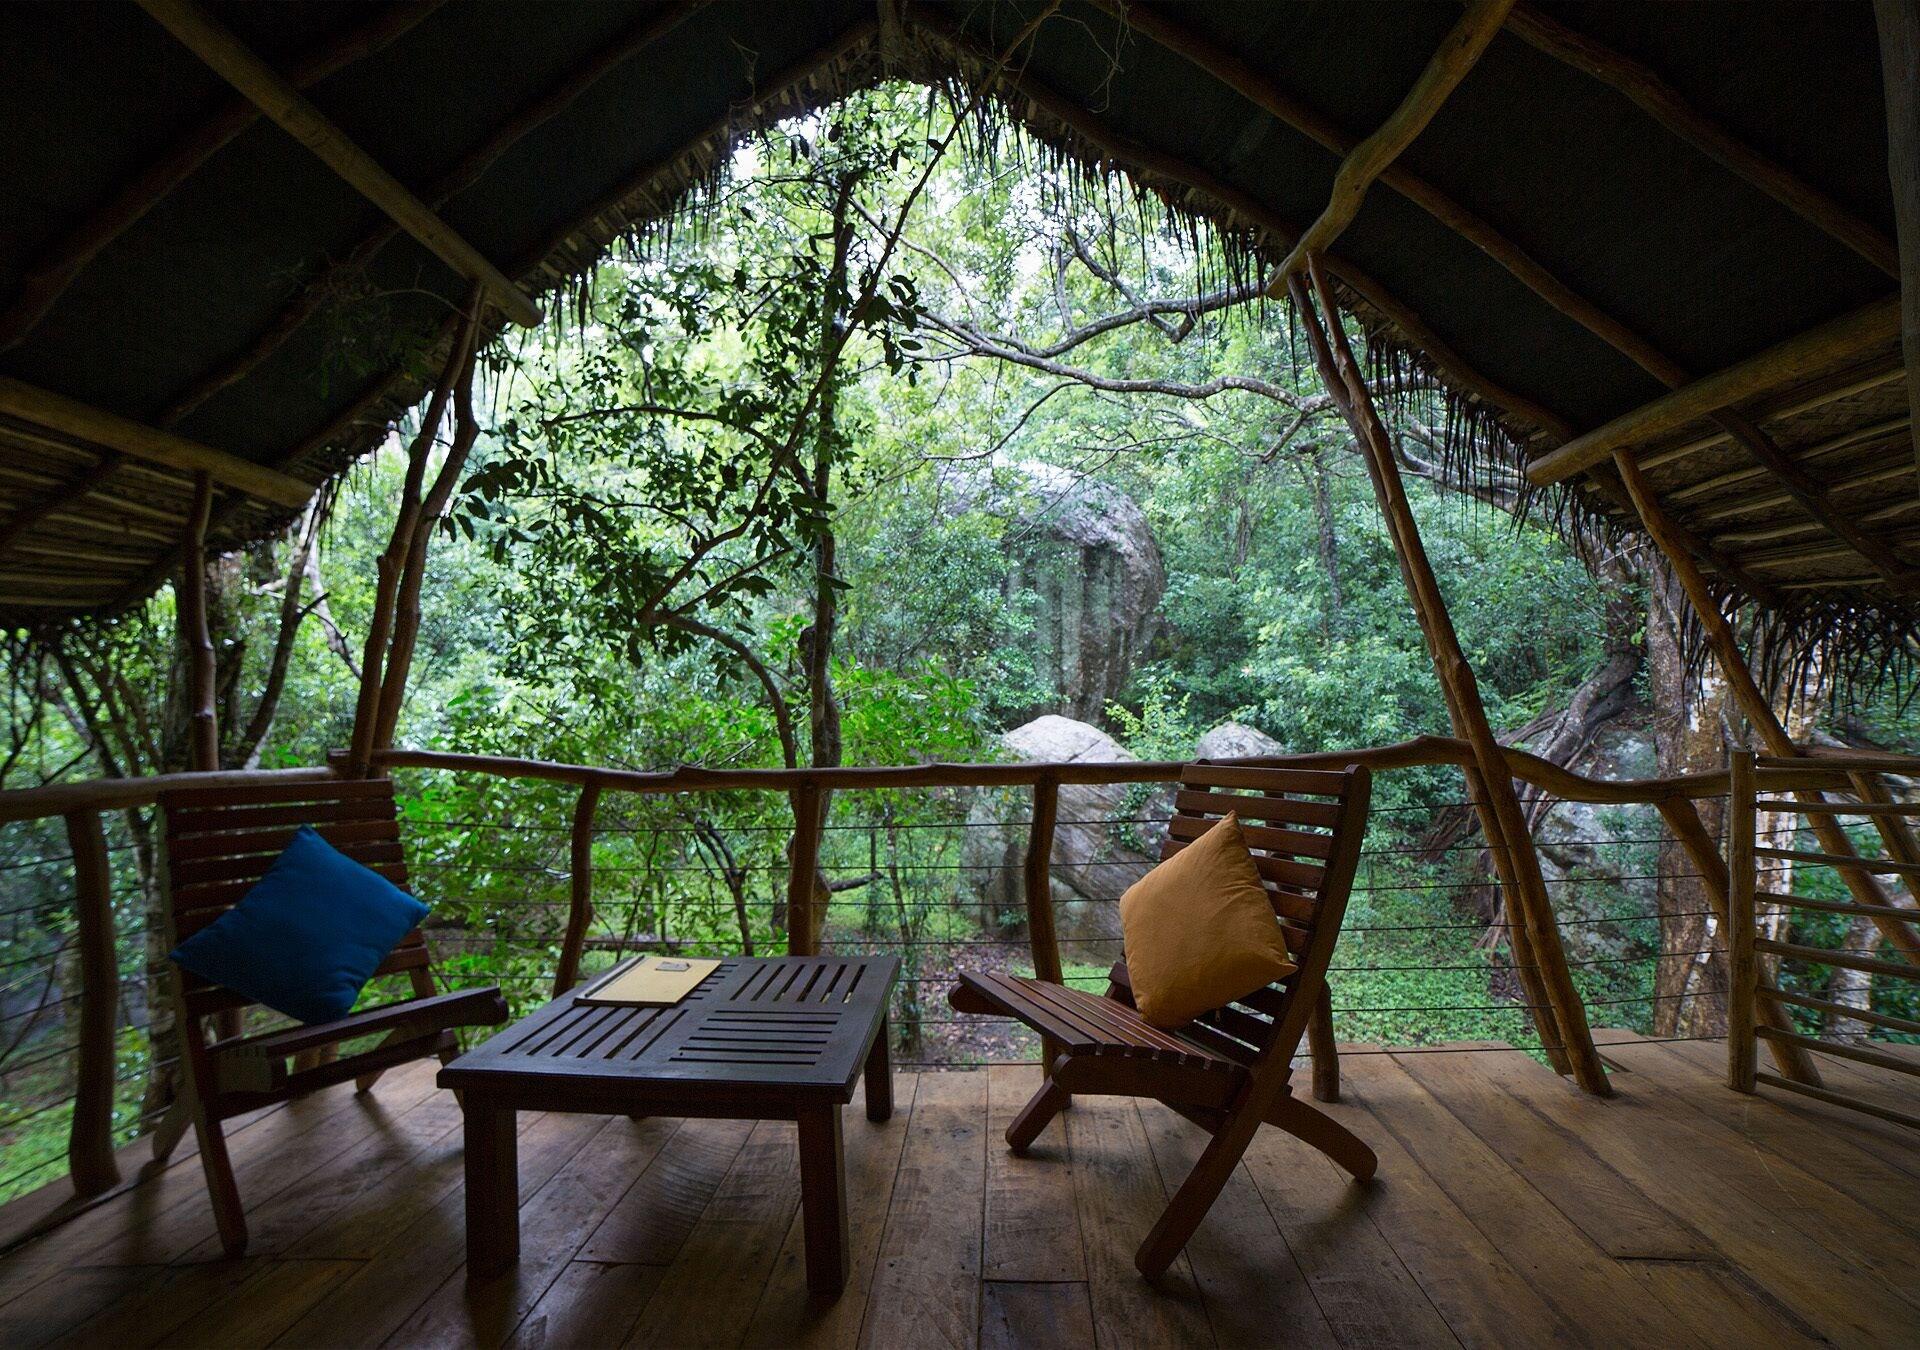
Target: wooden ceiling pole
pixel 1899 22
pixel 1665 105
pixel 1458 54
pixel 69 417
pixel 1502 821
pixel 57 499
pixel 61 262
pixel 1759 712
pixel 652 25
pixel 285 105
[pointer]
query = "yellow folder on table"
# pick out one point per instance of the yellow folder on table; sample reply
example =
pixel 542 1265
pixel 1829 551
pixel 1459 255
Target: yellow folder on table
pixel 650 979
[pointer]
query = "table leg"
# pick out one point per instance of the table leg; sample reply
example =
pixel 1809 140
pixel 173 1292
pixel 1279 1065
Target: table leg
pixel 879 1075
pixel 493 1188
pixel 823 1198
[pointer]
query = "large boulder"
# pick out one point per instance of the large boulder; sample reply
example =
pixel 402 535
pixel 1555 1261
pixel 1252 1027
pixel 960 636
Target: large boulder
pixel 1085 551
pixel 1106 837
pixel 1237 740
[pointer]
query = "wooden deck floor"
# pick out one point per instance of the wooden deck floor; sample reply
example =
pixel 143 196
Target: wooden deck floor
pixel 1509 1211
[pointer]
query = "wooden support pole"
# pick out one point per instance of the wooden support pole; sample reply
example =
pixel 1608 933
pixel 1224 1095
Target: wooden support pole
pixel 90 1134
pixel 1743 970
pixel 1341 374
pixel 1526 962
pixel 391 567
pixel 1665 105
pixel 1899 23
pixel 1847 338
pixel 1746 693
pixel 285 105
pixel 1894 831
pixel 203 743
pixel 1458 53
pixel 803 862
pixel 1037 876
pixel 579 888
pixel 1717 879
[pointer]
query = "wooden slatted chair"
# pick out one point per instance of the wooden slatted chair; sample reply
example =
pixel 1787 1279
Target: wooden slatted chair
pixel 218 842
pixel 1229 1069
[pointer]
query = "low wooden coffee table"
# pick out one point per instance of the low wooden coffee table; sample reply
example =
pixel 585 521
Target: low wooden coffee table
pixel 774 1038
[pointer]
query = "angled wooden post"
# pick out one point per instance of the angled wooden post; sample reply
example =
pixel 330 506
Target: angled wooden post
pixel 1504 822
pixel 580 889
pixel 90 1133
pixel 1526 962
pixel 1866 890
pixel 1743 971
pixel 1037 876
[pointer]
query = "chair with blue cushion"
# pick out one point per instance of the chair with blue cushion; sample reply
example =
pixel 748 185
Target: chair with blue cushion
pixel 219 845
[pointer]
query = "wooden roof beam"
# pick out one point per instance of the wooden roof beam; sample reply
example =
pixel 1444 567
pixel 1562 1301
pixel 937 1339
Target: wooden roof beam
pixel 59 264
pixel 1899 25
pixel 652 25
pixel 70 417
pixel 1458 54
pixel 1265 93
pixel 280 101
pixel 1664 104
pixel 1846 338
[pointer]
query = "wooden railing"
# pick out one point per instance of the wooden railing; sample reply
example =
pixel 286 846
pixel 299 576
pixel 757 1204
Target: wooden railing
pixel 1843 786
pixel 82 806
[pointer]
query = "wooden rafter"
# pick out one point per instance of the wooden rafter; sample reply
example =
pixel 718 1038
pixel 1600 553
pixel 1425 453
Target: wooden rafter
pixel 1267 94
pixel 1665 105
pixel 652 25
pixel 69 417
pixel 1458 54
pixel 61 262
pixel 1805 354
pixel 58 498
pixel 286 106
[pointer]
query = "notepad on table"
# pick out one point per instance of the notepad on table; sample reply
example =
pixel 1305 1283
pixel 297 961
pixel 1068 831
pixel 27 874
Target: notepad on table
pixel 650 979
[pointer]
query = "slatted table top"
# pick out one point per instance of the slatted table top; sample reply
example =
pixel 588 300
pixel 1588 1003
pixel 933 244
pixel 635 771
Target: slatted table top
pixel 790 1028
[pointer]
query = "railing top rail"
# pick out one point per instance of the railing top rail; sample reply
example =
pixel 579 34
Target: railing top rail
pixel 115 794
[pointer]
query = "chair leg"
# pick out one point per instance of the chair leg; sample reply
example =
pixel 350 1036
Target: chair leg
pixel 222 1190
pixel 1325 1133
pixel 1036 1115
pixel 175 1123
pixel 1196 1195
pixel 1326 1057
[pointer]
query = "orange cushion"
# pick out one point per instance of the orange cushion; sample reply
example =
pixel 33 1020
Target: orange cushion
pixel 1199 930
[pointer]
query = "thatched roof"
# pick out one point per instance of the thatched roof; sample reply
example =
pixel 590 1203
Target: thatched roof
pixel 1618 199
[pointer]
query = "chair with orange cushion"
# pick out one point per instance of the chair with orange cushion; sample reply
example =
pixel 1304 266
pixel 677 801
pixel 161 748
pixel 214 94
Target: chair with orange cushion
pixel 1229 1069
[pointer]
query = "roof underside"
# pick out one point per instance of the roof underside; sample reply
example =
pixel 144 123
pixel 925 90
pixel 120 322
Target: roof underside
pixel 254 309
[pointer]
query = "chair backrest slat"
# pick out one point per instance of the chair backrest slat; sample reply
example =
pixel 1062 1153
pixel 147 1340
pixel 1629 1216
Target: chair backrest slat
pixel 1303 828
pixel 218 842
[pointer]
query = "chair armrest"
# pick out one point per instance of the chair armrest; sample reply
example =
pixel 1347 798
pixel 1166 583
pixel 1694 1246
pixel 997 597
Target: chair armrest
pixel 418 1016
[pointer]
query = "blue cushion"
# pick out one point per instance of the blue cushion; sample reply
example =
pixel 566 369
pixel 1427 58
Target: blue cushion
pixel 308 935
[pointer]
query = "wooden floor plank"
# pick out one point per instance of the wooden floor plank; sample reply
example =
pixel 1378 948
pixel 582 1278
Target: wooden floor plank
pixel 554 1222
pixel 1832 1280
pixel 1247 1277
pixel 56 1305
pixel 157 1309
pixel 926 1284
pixel 272 1299
pixel 591 1303
pixel 1362 1287
pixel 1477 1288
pixel 789 1315
pixel 653 1219
pixel 1767 1120
pixel 708 1294
pixel 1896 1146
pixel 1118 1192
pixel 1032 1226
pixel 1035 1316
pixel 417 1259
pixel 1719 1307
pixel 1619 1219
